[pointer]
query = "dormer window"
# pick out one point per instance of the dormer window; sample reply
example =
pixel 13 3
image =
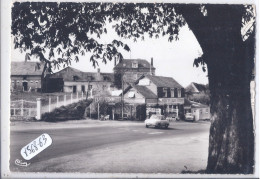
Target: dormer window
pixel 179 93
pixel 134 65
pixel 172 92
pixel 75 78
pixel 165 92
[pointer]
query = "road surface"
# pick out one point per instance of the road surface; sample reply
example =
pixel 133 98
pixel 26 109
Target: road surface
pixel 113 147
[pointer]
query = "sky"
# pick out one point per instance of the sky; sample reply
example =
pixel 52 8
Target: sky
pixel 171 59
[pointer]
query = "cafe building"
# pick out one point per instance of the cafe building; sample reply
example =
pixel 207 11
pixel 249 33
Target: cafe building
pixel 154 95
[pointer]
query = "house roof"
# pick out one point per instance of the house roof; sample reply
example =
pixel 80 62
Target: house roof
pixel 198 105
pixel 26 68
pixel 200 87
pixel 127 63
pixel 195 88
pixel 147 93
pixel 69 73
pixel 194 104
pixel 143 90
pixel 161 81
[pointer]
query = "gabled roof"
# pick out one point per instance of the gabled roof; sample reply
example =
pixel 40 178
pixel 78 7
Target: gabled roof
pixel 194 104
pixel 69 73
pixel 161 81
pixel 143 90
pixel 198 105
pixel 147 93
pixel 127 63
pixel 26 68
pixel 195 88
pixel 200 87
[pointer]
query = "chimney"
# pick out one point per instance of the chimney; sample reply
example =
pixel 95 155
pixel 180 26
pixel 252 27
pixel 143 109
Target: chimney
pixel 98 75
pixel 151 65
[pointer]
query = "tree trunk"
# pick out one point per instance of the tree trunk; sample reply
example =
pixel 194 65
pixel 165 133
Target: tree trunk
pixel 229 61
pixel 231 140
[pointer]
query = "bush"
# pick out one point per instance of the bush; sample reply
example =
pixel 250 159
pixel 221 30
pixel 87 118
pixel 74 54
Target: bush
pixel 73 111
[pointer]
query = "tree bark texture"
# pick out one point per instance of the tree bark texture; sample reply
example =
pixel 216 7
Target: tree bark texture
pixel 229 61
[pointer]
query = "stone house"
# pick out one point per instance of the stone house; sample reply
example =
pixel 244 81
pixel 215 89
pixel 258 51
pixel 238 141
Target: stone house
pixel 25 76
pixel 72 80
pixel 131 70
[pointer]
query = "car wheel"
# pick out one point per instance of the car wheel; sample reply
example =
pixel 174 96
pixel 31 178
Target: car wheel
pixel 146 126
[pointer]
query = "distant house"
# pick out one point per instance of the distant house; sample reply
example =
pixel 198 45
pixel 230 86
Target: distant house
pixel 157 94
pixel 72 80
pixel 25 76
pixel 200 111
pixel 131 70
pixel 196 88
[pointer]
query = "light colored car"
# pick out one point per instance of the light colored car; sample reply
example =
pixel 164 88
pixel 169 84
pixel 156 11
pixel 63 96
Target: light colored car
pixel 189 117
pixel 157 121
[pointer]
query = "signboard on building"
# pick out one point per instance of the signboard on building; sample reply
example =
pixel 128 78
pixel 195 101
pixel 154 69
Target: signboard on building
pixel 153 110
pixel 110 99
pixel 171 101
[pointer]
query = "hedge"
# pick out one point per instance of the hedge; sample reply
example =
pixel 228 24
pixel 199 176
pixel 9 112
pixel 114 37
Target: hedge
pixel 73 111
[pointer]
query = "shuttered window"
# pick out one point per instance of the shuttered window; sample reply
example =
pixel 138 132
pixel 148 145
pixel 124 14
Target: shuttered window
pixel 179 93
pixel 172 93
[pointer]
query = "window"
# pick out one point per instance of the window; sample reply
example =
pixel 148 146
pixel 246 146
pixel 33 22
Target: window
pixel 134 65
pixel 165 92
pixel 201 111
pixel 89 87
pixel 75 78
pixel 207 111
pixel 83 88
pixel 179 93
pixel 131 94
pixel 172 92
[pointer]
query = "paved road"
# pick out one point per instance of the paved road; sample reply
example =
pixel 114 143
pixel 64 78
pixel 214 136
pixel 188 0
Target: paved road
pixel 77 141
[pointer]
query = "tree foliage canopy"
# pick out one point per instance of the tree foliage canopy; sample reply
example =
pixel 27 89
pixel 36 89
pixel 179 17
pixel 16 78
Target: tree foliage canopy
pixel 59 32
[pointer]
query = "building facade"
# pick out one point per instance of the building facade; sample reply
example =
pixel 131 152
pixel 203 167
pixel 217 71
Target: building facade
pixel 129 70
pixel 198 110
pixel 157 94
pixel 26 76
pixel 72 80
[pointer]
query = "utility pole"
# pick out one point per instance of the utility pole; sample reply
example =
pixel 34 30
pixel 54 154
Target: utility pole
pixel 122 96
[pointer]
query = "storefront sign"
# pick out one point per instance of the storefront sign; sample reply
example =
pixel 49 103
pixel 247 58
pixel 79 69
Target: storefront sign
pixel 110 99
pixel 153 110
pixel 171 101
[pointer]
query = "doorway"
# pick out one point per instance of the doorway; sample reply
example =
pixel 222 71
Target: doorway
pixel 25 86
pixel 83 88
pixel 74 89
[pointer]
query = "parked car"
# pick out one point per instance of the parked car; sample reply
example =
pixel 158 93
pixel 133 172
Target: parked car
pixel 189 117
pixel 157 121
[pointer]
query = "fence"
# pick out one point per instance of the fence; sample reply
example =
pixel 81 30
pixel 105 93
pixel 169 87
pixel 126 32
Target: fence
pixel 37 108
